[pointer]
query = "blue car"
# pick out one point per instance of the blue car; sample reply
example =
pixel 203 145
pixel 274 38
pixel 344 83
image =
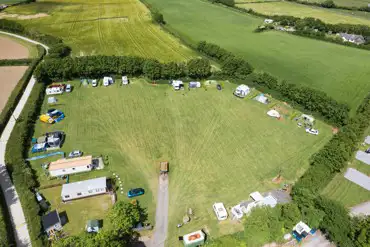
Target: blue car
pixel 135 192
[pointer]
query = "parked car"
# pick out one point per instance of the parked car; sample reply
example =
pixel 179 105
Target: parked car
pixel 312 131
pixel 135 192
pixel 68 88
pixel 75 154
pixel 94 83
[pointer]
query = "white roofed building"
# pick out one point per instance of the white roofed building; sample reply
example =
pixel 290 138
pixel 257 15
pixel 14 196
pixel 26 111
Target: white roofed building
pixel 84 188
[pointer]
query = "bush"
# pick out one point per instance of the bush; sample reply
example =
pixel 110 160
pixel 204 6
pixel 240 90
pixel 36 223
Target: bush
pixel 59 50
pixel 198 68
pixel 157 17
pixel 328 4
pixel 230 3
pixel 18 90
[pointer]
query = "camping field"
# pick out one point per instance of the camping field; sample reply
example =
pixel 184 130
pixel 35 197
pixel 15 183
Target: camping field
pixel 332 16
pixel 296 59
pixel 110 28
pixel 218 146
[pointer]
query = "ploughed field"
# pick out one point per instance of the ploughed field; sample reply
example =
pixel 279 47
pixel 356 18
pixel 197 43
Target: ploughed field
pixel 104 27
pixel 340 71
pixel 220 148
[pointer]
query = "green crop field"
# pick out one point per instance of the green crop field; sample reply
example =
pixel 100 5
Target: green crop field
pixel 11 1
pixel 349 3
pixel 220 148
pixel 300 10
pixel 345 191
pixel 299 60
pixel 111 28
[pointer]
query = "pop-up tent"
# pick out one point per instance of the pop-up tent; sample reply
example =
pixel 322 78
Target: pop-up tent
pixel 273 113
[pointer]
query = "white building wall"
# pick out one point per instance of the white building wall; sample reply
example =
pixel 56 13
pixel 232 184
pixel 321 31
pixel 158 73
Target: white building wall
pixel 82 194
pixel 72 170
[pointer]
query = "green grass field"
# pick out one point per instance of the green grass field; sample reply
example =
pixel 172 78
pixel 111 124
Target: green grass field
pixel 349 3
pixel 220 148
pixel 299 60
pixel 11 1
pixel 111 28
pixel 343 190
pixel 299 10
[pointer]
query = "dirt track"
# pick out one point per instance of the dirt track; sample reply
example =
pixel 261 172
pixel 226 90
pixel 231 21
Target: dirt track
pixel 9 77
pixel 9 49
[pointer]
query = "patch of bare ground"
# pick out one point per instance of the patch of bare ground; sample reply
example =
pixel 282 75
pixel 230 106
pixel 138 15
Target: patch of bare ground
pixel 23 17
pixel 9 77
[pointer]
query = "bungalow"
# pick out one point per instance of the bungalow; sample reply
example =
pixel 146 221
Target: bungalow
pixel 352 38
pixel 63 167
pixel 84 188
pixel 51 223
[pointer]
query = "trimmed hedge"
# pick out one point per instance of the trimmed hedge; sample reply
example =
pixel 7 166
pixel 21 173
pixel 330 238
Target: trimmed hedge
pixel 6 230
pixel 20 170
pixel 18 90
pixel 16 62
pixel 308 98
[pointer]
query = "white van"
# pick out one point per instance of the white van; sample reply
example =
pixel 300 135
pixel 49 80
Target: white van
pixel 220 211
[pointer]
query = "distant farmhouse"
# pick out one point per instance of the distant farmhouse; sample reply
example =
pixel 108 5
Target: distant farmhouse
pixel 352 38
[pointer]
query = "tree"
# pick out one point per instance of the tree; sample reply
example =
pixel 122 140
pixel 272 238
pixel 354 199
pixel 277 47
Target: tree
pixel 172 70
pixel 198 68
pixel 328 4
pixel 290 215
pixel 152 69
pixel 158 17
pixel 59 51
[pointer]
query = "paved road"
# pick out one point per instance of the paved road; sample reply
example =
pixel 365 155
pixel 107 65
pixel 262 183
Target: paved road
pixel 161 215
pixel 361 209
pixel 20 228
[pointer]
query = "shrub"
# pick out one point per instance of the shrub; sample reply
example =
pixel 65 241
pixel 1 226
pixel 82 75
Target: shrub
pixel 59 50
pixel 199 68
pixel 157 17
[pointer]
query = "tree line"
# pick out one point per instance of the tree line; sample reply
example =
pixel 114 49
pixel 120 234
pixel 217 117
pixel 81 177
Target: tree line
pixel 310 99
pixel 331 4
pixel 332 217
pixel 99 66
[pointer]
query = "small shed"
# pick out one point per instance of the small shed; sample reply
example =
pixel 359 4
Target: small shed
pixel 93 226
pixel 163 167
pixel 51 222
pixel 194 239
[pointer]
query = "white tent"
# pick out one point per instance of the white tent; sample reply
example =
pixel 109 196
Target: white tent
pixel 237 212
pixel 242 91
pixel 273 113
pixel 262 98
pixel 124 80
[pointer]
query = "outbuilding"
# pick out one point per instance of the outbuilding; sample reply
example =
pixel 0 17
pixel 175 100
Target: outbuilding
pixel 63 167
pixel 84 188
pixel 51 223
pixel 301 230
pixel 242 91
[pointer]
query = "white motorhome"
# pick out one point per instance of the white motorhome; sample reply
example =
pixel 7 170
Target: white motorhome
pixel 55 89
pixel 177 85
pixel 242 91
pixel 124 80
pixel 220 211
pixel 107 81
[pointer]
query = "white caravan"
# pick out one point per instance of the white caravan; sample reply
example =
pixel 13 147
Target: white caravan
pixel 124 80
pixel 242 91
pixel 107 81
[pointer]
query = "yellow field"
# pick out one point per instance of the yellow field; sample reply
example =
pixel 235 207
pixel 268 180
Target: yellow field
pixel 300 10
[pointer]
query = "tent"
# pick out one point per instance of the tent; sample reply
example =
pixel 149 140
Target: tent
pixel 39 147
pixel 273 113
pixel 237 212
pixel 194 84
pixel 242 91
pixel 52 100
pixel 262 98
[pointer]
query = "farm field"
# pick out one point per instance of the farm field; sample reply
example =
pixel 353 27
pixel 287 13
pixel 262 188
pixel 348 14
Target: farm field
pixel 11 1
pixel 299 10
pixel 109 28
pixel 13 48
pixel 349 3
pixel 216 144
pixel 10 76
pixel 345 191
pixel 296 59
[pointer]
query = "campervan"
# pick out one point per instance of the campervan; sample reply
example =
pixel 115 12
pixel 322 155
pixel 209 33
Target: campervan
pixel 124 80
pixel 242 91
pixel 220 211
pixel 177 85
pixel 55 89
pixel 107 81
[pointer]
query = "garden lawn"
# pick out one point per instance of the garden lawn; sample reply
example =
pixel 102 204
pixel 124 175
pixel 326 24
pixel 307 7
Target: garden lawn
pixel 342 72
pixel 299 10
pixel 220 148
pixel 345 191
pixel 109 28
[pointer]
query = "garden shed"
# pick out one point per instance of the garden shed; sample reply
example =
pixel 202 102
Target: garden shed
pixel 51 222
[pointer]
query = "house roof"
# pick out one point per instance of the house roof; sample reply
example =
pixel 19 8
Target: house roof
pixel 362 156
pixel 69 163
pixel 50 220
pixel 353 37
pixel 86 185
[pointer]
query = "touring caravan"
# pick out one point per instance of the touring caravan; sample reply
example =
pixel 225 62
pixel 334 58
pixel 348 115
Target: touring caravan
pixel 107 81
pixel 242 91
pixel 55 89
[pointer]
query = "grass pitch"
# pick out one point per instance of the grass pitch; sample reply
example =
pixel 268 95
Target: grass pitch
pixel 301 11
pixel 220 148
pixel 109 27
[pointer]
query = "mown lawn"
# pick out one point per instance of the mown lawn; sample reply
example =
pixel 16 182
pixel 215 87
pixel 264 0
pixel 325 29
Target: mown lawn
pixel 340 71
pixel 299 10
pixel 345 191
pixel 109 27
pixel 220 148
